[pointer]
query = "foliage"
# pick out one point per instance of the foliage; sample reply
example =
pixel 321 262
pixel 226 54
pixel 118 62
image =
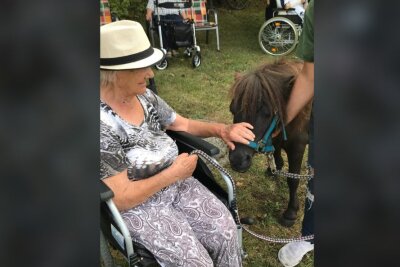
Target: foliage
pixel 129 9
pixel 136 9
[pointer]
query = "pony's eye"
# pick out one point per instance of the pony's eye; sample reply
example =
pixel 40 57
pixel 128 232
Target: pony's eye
pixel 264 111
pixel 261 107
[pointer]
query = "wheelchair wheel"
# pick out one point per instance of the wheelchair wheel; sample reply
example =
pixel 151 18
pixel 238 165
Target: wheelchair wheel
pixel 162 65
pixel 196 60
pixel 238 4
pixel 278 36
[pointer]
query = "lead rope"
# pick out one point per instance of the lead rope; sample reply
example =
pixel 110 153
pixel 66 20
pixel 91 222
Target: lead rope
pixel 236 211
pixel 272 166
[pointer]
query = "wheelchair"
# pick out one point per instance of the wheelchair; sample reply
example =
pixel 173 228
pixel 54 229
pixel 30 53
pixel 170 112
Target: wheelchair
pixel 113 230
pixel 279 35
pixel 183 32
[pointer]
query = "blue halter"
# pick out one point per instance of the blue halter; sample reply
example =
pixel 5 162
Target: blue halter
pixel 265 144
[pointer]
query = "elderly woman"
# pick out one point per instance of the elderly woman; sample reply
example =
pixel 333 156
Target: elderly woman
pixel 165 208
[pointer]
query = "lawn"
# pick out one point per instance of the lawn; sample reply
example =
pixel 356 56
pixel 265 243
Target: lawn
pixel 202 93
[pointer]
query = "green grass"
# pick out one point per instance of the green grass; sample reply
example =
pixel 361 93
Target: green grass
pixel 202 93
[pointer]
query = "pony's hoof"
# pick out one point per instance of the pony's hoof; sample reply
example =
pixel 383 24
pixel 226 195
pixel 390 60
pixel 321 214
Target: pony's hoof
pixel 286 222
pixel 247 220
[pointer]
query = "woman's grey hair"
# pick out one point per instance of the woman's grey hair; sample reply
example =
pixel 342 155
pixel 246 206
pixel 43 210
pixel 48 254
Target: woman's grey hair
pixel 107 78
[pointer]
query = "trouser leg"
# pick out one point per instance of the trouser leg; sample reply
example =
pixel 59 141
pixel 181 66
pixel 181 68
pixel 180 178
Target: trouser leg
pixel 211 222
pixel 165 232
pixel 308 221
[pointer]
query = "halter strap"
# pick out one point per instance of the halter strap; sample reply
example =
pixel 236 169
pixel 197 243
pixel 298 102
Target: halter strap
pixel 265 144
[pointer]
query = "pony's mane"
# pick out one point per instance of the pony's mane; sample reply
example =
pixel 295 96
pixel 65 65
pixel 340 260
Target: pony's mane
pixel 269 84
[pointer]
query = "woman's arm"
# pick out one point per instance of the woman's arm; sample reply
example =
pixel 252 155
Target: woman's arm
pixel 149 10
pixel 302 92
pixel 128 194
pixel 149 14
pixel 238 132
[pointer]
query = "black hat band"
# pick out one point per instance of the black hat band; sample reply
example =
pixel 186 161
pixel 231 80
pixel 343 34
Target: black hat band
pixel 127 59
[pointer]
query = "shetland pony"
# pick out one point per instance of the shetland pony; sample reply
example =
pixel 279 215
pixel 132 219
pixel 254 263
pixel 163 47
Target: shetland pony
pixel 257 97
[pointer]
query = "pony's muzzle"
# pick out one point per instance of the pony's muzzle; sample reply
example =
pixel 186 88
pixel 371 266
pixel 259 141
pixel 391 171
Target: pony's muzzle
pixel 240 160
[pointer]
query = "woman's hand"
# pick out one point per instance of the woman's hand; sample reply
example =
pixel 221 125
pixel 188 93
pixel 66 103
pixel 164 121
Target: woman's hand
pixel 238 132
pixel 183 167
pixel 149 14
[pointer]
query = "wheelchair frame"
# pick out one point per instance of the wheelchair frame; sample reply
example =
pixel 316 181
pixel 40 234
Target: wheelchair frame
pixel 279 35
pixel 193 49
pixel 113 229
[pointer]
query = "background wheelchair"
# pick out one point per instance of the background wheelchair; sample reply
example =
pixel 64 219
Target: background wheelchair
pixel 279 35
pixel 184 32
pixel 113 230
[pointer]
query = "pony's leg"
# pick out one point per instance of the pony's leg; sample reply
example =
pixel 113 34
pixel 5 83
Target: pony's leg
pixel 278 158
pixel 295 154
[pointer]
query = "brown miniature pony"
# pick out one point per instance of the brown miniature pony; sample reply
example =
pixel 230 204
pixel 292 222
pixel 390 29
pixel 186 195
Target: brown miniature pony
pixel 257 97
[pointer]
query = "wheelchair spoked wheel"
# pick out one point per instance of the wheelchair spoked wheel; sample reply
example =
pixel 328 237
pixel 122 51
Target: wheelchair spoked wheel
pixel 238 4
pixel 278 36
pixel 196 60
pixel 162 65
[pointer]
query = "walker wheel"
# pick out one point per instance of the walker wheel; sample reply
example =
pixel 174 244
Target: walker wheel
pixel 162 65
pixel 196 60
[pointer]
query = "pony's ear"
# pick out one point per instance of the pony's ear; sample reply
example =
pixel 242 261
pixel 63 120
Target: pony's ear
pixel 237 76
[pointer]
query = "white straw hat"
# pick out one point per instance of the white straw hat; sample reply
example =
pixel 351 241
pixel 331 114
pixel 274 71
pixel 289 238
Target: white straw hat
pixel 124 45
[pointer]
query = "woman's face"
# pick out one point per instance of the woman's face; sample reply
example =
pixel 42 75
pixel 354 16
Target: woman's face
pixel 134 81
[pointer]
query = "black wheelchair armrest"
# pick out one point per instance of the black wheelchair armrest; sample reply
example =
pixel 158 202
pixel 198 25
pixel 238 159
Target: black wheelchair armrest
pixel 187 142
pixel 284 9
pixel 105 192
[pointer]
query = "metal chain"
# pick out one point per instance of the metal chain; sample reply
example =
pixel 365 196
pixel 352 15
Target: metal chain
pixel 292 175
pixel 235 210
pixel 272 166
pixel 276 239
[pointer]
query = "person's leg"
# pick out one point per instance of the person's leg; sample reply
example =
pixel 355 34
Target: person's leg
pixel 292 253
pixel 308 221
pixel 269 10
pixel 165 232
pixel 211 222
